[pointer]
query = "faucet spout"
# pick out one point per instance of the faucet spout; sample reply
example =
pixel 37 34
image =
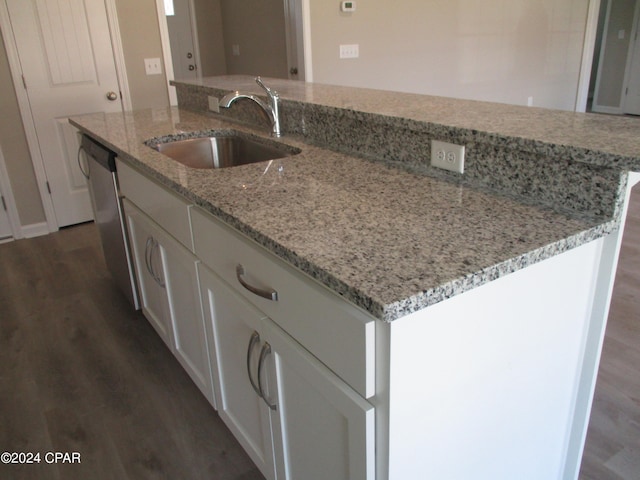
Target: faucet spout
pixel 271 109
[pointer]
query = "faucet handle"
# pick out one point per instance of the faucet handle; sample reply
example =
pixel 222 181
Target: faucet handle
pixel 271 93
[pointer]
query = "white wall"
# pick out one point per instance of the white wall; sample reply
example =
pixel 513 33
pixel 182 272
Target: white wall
pixel 496 50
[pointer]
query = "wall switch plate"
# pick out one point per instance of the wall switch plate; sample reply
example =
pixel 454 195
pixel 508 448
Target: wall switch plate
pixel 214 104
pixel 235 50
pixel 349 51
pixel 152 66
pixel 448 156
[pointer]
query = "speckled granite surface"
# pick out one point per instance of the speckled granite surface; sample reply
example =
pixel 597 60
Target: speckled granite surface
pixel 389 241
pixel 553 158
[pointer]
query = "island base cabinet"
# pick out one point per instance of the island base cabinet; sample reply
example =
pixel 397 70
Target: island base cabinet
pixel 170 295
pixel 147 254
pixel 235 328
pixel 488 384
pixel 325 429
pixel 294 417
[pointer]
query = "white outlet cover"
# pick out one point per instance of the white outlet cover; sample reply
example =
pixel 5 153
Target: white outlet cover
pixel 152 66
pixel 350 51
pixel 447 156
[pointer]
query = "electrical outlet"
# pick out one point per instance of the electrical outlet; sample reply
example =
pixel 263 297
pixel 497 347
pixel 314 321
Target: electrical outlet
pixel 350 51
pixel 214 104
pixel 448 156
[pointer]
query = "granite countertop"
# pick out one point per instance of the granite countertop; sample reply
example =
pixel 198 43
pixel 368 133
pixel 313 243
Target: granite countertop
pixel 389 241
pixel 585 136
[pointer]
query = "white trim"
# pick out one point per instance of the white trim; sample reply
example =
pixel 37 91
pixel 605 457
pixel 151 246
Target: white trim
pixel 118 54
pixel 306 32
pixel 607 110
pixel 596 105
pixel 582 94
pixel 166 52
pixel 27 119
pixel 633 43
pixel 35 230
pixel 7 193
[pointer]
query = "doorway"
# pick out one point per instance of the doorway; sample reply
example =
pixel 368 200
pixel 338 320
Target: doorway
pixel 253 37
pixel 616 78
pixel 62 63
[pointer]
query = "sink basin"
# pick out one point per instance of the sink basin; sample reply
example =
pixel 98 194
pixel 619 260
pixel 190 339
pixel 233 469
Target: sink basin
pixel 222 150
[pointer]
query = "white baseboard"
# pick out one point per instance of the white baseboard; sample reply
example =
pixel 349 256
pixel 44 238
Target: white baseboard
pixel 34 230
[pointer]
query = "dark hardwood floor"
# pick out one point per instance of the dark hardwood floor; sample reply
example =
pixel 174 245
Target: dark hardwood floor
pixel 80 372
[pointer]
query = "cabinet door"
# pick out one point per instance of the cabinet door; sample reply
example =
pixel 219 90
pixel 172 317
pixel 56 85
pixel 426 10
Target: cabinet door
pixel 148 262
pixel 236 331
pixel 322 427
pixel 183 290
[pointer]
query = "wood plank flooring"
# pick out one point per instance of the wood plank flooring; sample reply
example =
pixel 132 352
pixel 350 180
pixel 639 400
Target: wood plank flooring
pixel 80 372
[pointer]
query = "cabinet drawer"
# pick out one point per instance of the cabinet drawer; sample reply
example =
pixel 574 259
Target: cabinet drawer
pixel 337 333
pixel 168 210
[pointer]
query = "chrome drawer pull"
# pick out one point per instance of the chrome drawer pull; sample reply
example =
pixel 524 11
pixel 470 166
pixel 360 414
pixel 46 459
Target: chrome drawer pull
pixel 268 294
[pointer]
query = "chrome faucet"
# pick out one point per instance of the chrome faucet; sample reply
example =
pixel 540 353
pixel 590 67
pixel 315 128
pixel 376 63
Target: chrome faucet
pixel 271 109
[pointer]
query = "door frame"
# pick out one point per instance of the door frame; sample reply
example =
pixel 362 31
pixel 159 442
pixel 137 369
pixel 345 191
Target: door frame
pixel 23 99
pixel 7 193
pixel 634 42
pixel 588 53
pixel 619 109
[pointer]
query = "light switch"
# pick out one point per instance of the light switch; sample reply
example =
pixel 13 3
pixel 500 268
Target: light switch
pixel 152 66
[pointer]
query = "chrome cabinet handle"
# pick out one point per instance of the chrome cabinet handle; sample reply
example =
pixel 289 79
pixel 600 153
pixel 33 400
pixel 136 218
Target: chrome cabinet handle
pixel 268 294
pixel 147 256
pixel 159 279
pixel 255 338
pixel 86 174
pixel 152 245
pixel 266 351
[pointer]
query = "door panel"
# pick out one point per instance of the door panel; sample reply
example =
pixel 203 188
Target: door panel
pixel 632 98
pixel 326 429
pixel 232 322
pixel 181 37
pixel 68 67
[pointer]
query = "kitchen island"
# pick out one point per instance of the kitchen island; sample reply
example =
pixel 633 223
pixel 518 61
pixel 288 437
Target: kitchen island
pixel 488 291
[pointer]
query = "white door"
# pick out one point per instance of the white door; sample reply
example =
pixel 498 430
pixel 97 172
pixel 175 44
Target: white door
pixel 632 97
pixel 181 36
pixel 293 19
pixel 67 62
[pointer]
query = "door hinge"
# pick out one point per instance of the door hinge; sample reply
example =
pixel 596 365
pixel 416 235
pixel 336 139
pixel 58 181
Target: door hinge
pixel 4 204
pixel 48 187
pixel 24 82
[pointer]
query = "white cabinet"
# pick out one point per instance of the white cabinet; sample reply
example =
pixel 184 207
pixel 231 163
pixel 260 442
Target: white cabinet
pixel 147 254
pixel 168 281
pixel 290 383
pixel 236 328
pixel 295 418
pixel 325 428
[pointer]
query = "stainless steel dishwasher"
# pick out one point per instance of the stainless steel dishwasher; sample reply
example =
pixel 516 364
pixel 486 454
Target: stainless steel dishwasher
pixel 108 214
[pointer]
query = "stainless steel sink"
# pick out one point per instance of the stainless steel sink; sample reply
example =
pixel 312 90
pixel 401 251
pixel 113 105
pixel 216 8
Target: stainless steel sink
pixel 221 150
